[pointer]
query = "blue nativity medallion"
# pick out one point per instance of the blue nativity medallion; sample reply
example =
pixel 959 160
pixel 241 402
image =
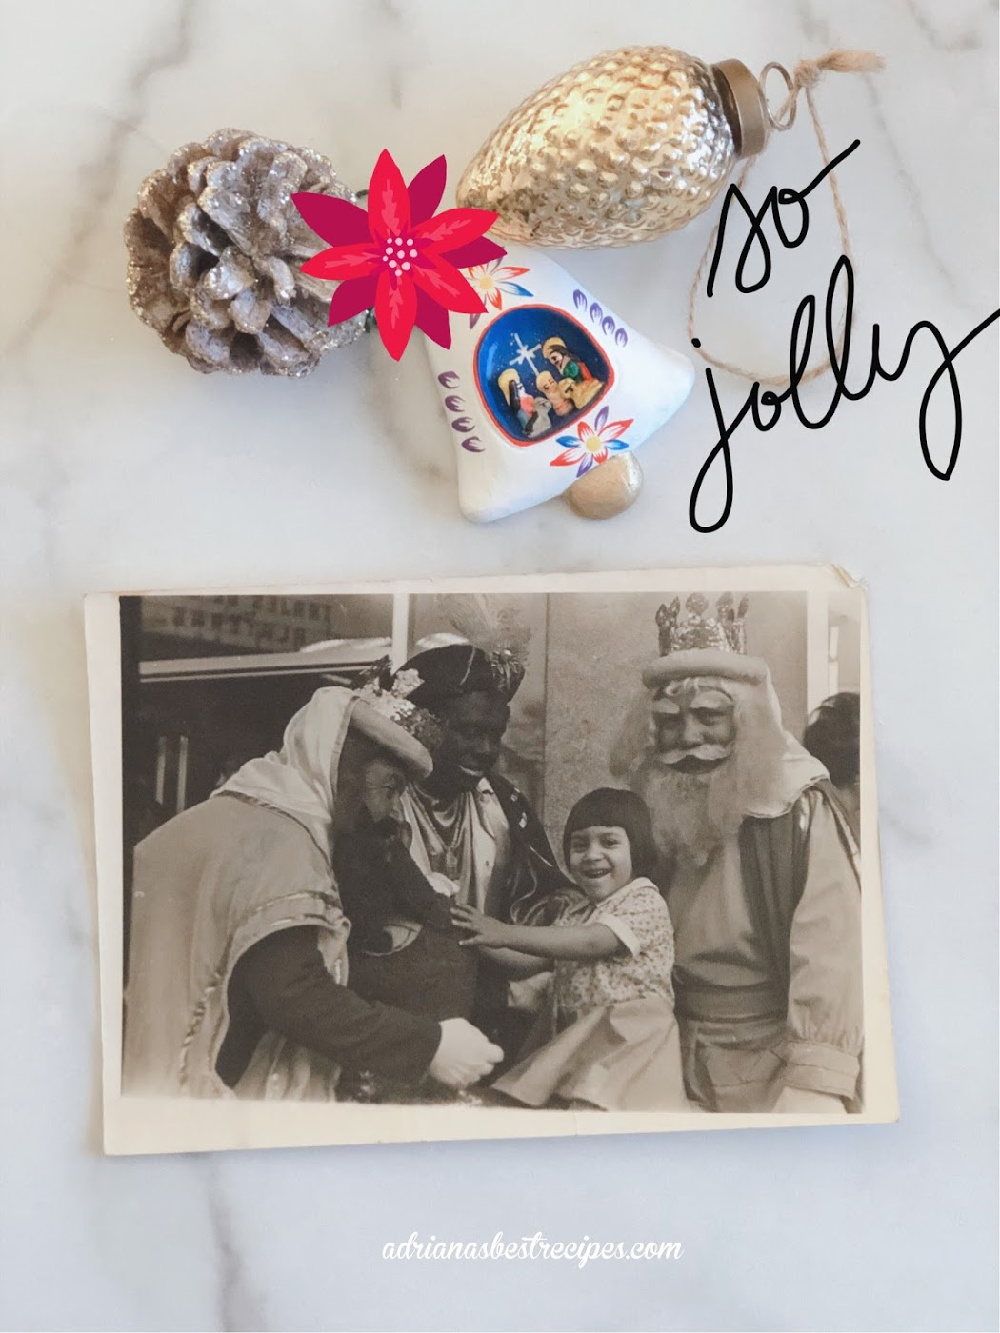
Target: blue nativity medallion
pixel 537 371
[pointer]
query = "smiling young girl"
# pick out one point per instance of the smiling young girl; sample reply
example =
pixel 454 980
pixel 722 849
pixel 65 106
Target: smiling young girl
pixel 611 1039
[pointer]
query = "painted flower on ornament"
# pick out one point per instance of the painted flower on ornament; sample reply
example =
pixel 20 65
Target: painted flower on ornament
pixel 491 281
pixel 396 257
pixel 592 444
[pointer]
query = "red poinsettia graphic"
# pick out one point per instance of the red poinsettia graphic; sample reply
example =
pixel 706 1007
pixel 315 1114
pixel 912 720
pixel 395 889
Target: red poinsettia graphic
pixel 397 257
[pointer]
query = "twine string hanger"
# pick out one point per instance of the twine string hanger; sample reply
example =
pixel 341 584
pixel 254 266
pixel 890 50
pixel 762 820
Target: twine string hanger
pixel 803 79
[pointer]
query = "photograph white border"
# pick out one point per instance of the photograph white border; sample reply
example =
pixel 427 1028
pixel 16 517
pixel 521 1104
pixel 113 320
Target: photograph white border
pixel 169 1125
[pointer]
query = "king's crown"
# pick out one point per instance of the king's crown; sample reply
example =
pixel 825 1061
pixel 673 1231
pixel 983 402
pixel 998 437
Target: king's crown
pixel 725 631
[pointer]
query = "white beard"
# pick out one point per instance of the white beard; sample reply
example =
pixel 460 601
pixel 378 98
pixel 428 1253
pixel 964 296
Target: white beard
pixel 693 814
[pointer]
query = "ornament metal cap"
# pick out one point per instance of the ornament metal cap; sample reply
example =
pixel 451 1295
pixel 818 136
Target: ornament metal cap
pixel 746 109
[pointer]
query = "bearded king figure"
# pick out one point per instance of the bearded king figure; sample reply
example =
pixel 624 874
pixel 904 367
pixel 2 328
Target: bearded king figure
pixel 760 872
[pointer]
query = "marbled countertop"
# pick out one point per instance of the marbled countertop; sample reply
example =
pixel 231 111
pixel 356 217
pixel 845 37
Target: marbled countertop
pixel 123 469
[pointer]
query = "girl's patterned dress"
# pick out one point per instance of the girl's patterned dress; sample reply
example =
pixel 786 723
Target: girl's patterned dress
pixel 610 1038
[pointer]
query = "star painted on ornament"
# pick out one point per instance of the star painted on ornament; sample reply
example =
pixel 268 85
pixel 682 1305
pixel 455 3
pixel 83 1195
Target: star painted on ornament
pixel 525 354
pixel 397 257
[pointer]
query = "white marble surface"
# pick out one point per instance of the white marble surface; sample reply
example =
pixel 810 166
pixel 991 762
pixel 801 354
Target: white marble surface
pixel 122 468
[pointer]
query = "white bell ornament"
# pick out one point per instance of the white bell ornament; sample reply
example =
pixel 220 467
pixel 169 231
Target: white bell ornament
pixel 545 386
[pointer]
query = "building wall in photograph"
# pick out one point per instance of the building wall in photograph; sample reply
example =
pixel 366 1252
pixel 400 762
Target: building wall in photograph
pixel 224 623
pixel 845 644
pixel 598 644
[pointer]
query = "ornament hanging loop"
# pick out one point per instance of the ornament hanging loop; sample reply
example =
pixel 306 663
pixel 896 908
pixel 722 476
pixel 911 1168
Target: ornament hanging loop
pixel 807 74
pixel 785 118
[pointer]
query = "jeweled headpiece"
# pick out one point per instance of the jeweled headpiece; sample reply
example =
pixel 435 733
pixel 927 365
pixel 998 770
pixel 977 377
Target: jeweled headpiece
pixel 489 655
pixel 508 651
pixel 725 631
pixel 389 696
pixel 703 645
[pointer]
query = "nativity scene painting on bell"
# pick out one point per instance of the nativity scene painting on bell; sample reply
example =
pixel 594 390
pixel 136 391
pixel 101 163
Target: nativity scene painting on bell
pixel 537 371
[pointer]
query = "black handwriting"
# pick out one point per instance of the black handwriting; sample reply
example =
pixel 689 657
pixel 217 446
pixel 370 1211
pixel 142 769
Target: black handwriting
pixel 772 204
pixel 764 406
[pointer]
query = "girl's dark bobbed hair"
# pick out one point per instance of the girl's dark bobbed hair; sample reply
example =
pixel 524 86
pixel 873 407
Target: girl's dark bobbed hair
pixel 613 807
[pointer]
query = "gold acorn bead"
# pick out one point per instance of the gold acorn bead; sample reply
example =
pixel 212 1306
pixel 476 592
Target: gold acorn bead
pixel 624 147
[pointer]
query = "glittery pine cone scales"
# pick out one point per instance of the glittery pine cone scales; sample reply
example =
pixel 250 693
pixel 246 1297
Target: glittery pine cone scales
pixel 215 245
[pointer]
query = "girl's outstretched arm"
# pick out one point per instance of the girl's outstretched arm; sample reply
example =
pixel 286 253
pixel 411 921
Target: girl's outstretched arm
pixel 579 943
pixel 521 964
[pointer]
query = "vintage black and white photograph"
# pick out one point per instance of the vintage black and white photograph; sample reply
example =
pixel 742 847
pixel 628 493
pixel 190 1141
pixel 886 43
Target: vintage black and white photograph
pixel 446 856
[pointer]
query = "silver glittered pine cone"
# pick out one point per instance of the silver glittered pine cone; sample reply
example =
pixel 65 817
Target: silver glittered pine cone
pixel 214 250
pixel 623 147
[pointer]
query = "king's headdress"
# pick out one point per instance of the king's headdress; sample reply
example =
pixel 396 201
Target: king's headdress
pixel 486 653
pixel 388 695
pixel 703 642
pixel 725 631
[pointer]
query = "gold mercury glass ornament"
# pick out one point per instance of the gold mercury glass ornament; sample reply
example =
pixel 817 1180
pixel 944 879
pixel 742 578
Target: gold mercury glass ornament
pixel 624 147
